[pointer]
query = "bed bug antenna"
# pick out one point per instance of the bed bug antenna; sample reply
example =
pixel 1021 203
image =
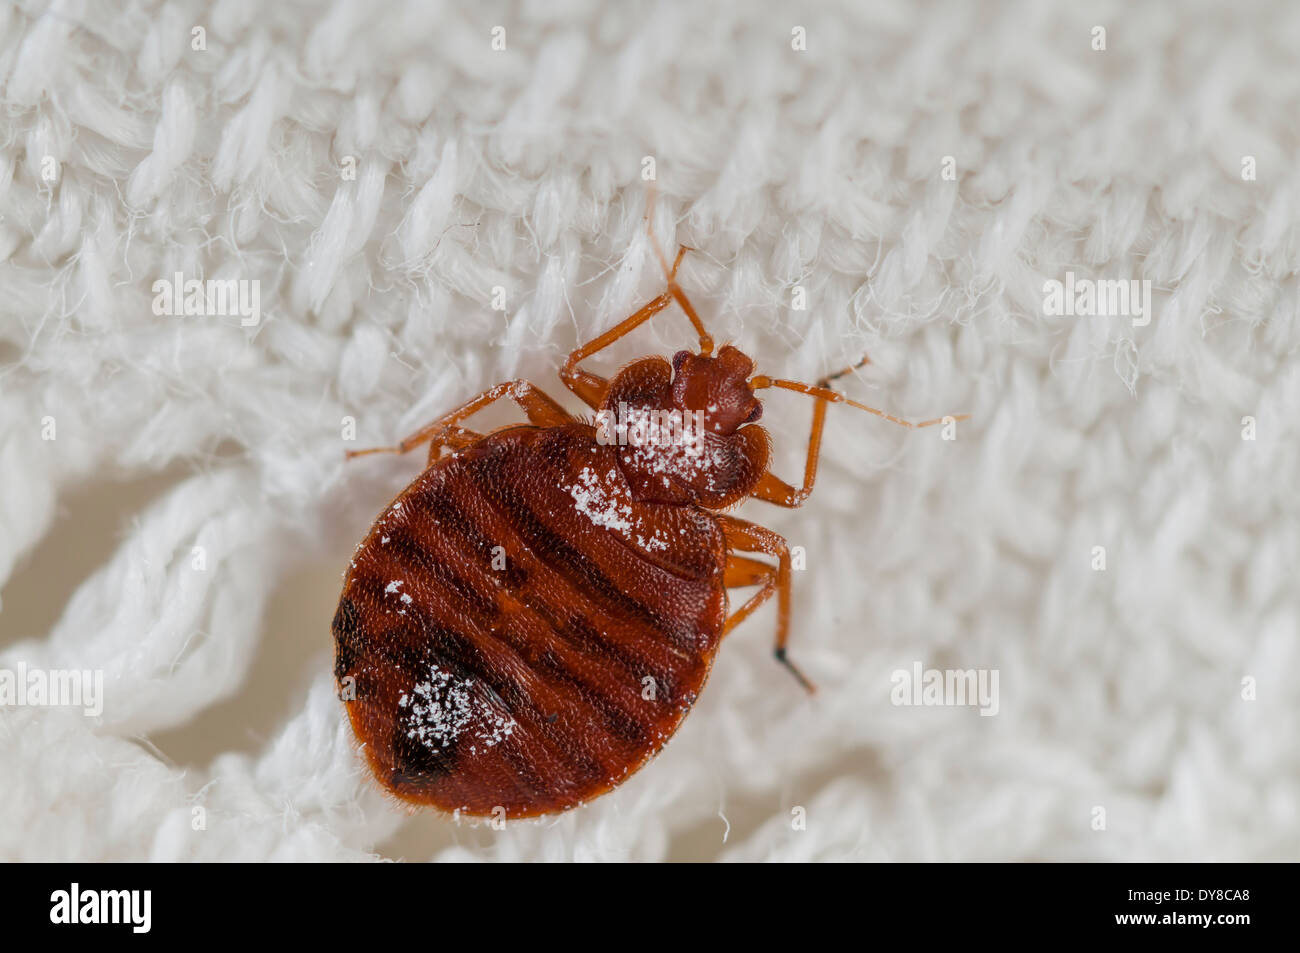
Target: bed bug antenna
pixel 761 381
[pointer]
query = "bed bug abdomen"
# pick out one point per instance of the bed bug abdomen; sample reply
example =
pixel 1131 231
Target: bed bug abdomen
pixel 520 632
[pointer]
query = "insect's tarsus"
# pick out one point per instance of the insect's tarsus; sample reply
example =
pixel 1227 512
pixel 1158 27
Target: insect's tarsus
pixel 808 686
pixel 826 381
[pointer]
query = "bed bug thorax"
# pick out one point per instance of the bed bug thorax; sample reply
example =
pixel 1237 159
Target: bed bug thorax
pixel 679 428
pixel 531 619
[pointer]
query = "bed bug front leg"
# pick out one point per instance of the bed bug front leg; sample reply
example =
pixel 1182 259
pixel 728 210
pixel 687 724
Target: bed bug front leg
pixel 749 537
pixel 771 488
pixel 446 431
pixel 591 387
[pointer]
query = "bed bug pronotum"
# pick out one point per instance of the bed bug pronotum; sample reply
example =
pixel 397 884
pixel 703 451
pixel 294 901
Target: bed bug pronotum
pixel 531 619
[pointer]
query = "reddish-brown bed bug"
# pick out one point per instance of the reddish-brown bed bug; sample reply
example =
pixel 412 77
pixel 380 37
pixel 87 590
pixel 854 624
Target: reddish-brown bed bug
pixel 530 620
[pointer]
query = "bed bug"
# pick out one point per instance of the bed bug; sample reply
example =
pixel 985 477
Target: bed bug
pixel 530 620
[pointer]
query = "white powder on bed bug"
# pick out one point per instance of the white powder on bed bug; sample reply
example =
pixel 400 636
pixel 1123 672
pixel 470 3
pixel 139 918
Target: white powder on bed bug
pixel 439 710
pixel 593 502
pixel 601 503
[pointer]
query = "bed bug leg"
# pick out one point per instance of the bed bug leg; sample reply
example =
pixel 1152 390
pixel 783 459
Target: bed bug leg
pixel 541 410
pixel 590 387
pixel 674 289
pixel 741 572
pixel 778 491
pixel 749 537
pixel 453 437
pixel 771 488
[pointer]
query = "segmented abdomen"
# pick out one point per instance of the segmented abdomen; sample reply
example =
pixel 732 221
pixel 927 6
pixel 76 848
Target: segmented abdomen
pixel 518 633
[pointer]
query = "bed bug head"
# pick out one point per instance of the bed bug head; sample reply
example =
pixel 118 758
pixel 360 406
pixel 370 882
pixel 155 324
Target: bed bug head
pixel 717 387
pixel 682 429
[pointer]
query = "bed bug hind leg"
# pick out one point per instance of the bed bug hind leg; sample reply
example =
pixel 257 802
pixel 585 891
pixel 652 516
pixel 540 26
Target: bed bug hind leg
pixel 446 431
pixel 743 536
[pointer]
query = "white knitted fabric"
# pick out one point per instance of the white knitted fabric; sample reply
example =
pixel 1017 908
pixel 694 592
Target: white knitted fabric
pixel 1145 710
